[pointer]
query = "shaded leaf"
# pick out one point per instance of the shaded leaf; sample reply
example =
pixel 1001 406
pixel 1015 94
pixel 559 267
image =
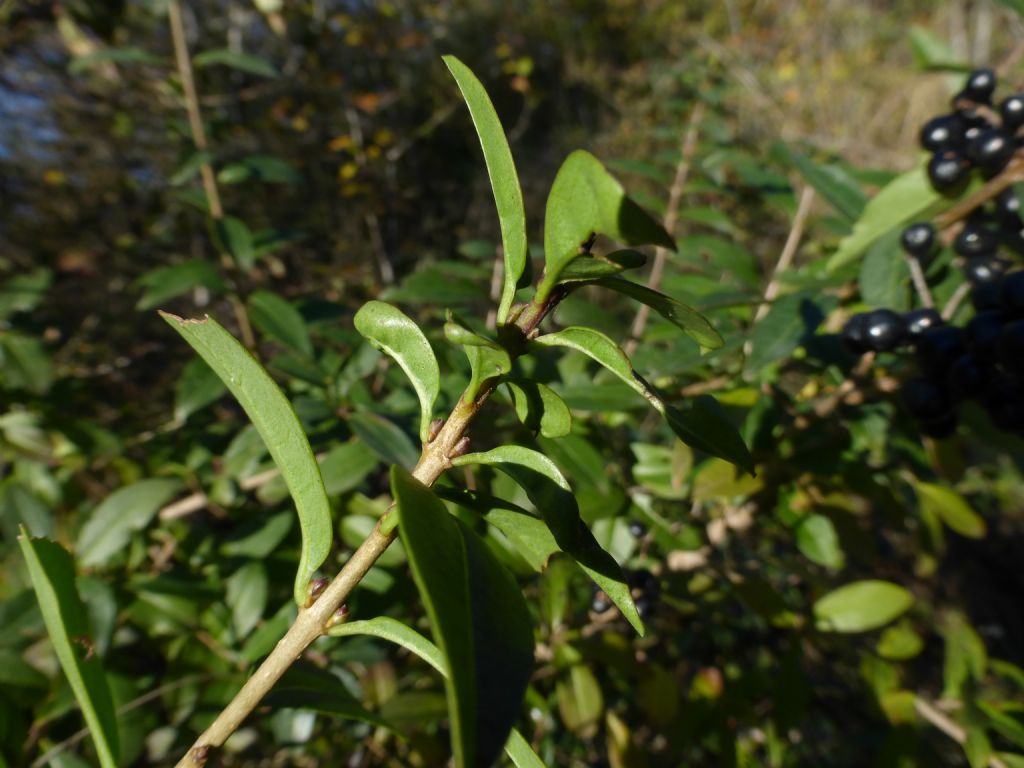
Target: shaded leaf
pixel 234 238
pixel 392 331
pixel 117 517
pixel 305 686
pixel 832 183
pixel 861 606
pixel 53 578
pixel 884 280
pixel 275 420
pixel 25 363
pixel 165 283
pixel 595 267
pixel 243 62
pixel 540 408
pixel 384 438
pixel 501 169
pixel 265 168
pixel 693 324
pixel 197 387
pixel 701 423
pixel 279 320
pixel 479 618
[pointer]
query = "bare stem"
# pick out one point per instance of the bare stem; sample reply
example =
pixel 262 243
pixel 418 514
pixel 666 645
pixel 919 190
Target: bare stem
pixel 796 233
pixel 687 149
pixel 920 284
pixel 938 718
pixel 311 622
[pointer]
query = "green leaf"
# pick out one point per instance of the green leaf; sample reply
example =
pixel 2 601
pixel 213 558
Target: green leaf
pixel 275 420
pixel 279 320
pixel 122 513
pixel 597 346
pixel 1008 726
pixel 540 408
pixel 391 331
pixel 950 507
pixel 246 596
pixel 384 438
pixel 197 387
pixel 243 62
pixel 165 283
pixel 965 656
pixel 550 493
pixel 585 199
pixel 479 618
pixel 121 55
pixel 234 238
pixel 25 363
pixel 861 606
pixel 1017 6
pixel 899 642
pixel 701 423
pixel 487 359
pixel 265 168
pixel 517 748
pixel 931 52
pixel 790 321
pixel 692 323
pixel 580 702
pixel 977 748
pixel 23 293
pixel 816 538
pixel 307 686
pixel 884 275
pixel 508 196
pixel 833 184
pixel 584 268
pixel 190 167
pixel 53 577
pixel 909 197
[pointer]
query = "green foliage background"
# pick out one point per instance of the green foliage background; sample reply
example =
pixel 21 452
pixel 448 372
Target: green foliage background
pixel 349 170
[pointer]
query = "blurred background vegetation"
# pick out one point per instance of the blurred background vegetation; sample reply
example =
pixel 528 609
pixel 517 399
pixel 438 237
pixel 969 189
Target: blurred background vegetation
pixel 345 167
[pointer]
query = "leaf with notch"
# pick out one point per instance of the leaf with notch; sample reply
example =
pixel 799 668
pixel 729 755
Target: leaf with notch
pixel 584 200
pixel 501 168
pixel 487 358
pixel 692 322
pixel 479 618
pixel 540 408
pixel 275 420
pixel 550 493
pixel 392 331
pixel 517 748
pixel 53 577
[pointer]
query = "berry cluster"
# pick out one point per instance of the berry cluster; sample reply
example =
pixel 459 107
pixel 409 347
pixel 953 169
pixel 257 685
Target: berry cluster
pixel 975 134
pixel 984 359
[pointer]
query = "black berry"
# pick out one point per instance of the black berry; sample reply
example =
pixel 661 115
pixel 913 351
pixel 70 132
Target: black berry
pixel 985 269
pixel 884 330
pixel 1007 210
pixel 947 171
pixel 981 335
pixel 975 240
pixel 985 296
pixel 644 607
pixel 600 603
pixel 940 428
pixel 918 240
pixel 918 321
pixel 1011 348
pixel 991 150
pixel 855 334
pixel 926 399
pixel 980 86
pixel 967 378
pixel 1011 294
pixel 1012 112
pixel 637 529
pixel 943 132
pixel 938 347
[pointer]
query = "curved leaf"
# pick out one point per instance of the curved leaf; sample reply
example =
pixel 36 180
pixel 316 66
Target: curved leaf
pixel 392 332
pixel 584 200
pixel 517 748
pixel 53 577
pixel 501 168
pixel 117 517
pixel 540 408
pixel 861 606
pixel 600 348
pixel 275 420
pixel 487 358
pixel 595 267
pixel 550 493
pixel 243 62
pixel 479 618
pixel 950 507
pixel 692 322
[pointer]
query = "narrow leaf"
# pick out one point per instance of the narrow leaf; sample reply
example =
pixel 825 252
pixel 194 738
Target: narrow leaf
pixel 279 320
pixel 600 348
pixel 117 517
pixel 53 577
pixel 540 408
pixel 692 322
pixel 487 359
pixel 861 606
pixel 501 169
pixel 950 507
pixel 243 62
pixel 479 618
pixel 384 438
pixel 550 493
pixel 585 199
pixel 595 267
pixel 836 186
pixel 275 420
pixel 391 331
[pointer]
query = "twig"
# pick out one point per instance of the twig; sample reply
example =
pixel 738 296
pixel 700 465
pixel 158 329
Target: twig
pixel 920 284
pixel 955 301
pixel 828 405
pixel 954 730
pixel 796 232
pixel 1011 174
pixel 687 149
pixel 184 64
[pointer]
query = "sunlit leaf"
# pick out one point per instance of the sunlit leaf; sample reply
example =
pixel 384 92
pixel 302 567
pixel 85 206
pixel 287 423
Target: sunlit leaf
pixel 693 324
pixel 165 283
pixel 53 578
pixel 487 359
pixel 501 169
pixel 392 331
pixel 950 507
pixel 275 420
pixel 479 618
pixel 861 606
pixel 539 408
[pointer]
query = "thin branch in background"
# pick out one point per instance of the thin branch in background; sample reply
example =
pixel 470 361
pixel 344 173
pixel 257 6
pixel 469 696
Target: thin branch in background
pixel 938 718
pixel 687 149
pixel 373 228
pixel 195 120
pixel 796 233
pixel 920 284
pixel 955 301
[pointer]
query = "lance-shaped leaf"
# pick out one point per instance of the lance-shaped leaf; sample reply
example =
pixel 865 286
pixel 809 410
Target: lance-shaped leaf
pixel 584 200
pixel 508 196
pixel 487 358
pixel 861 606
pixel 392 332
pixel 53 578
pixel 517 748
pixel 692 322
pixel 540 408
pixel 479 618
pixel 550 493
pixel 275 420
pixel 700 423
pixel 595 267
